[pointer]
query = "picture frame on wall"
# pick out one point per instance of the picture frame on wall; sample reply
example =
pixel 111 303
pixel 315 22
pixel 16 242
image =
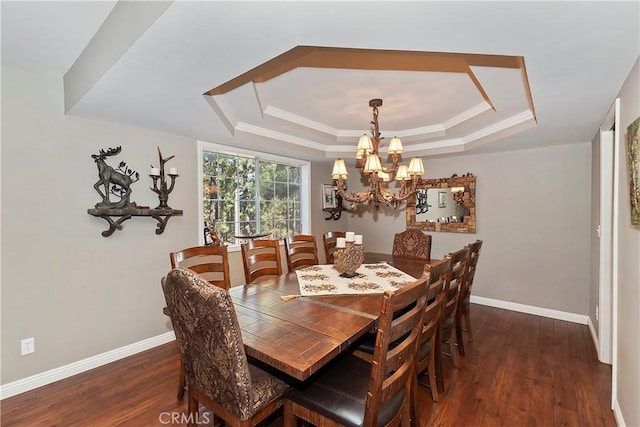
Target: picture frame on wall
pixel 633 162
pixel 442 199
pixel 329 196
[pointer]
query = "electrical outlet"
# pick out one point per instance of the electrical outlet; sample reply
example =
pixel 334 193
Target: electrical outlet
pixel 597 313
pixel 27 346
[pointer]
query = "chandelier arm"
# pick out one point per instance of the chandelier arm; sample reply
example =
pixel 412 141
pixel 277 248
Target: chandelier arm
pixel 354 197
pixel 390 170
pixel 351 198
pixel 405 194
pixel 395 158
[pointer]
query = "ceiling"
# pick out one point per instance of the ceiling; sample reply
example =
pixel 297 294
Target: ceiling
pixel 295 78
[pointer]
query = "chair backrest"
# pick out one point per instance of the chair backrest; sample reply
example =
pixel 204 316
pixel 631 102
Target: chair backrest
pixel 392 367
pixel 458 270
pixel 261 258
pixel 208 335
pixel 474 255
pixel 301 251
pixel 329 241
pixel 412 243
pixel 211 262
pixel 437 275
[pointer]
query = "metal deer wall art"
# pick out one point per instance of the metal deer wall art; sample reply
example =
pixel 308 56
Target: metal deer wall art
pixel 114 181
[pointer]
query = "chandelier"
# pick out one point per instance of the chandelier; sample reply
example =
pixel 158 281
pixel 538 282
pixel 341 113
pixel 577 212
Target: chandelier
pixel 368 156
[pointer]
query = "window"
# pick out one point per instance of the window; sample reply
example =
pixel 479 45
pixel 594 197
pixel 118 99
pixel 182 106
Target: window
pixel 246 193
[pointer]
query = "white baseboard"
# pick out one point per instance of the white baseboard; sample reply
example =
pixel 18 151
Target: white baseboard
pixel 530 309
pixel 596 341
pixel 594 336
pixel 617 413
pixel 66 371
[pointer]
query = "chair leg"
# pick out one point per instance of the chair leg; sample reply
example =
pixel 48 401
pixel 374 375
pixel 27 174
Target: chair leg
pixel 289 419
pixel 452 347
pixel 459 337
pixel 407 420
pixel 192 408
pixel 467 321
pixel 438 362
pixel 414 401
pixel 432 377
pixel 182 383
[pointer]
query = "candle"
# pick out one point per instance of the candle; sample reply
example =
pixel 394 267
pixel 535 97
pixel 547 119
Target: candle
pixel 173 171
pixel 155 171
pixel 341 242
pixel 358 239
pixel 350 236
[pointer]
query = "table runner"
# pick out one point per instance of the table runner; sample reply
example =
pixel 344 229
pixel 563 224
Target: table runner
pixel 371 279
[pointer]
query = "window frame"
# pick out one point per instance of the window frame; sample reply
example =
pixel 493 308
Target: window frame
pixel 305 182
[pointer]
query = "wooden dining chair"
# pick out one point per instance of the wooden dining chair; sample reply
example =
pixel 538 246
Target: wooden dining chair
pixel 301 251
pixel 412 243
pixel 217 370
pixel 464 312
pixel 329 242
pixel 437 275
pixel 211 262
pixel 447 332
pixel 261 258
pixel 355 392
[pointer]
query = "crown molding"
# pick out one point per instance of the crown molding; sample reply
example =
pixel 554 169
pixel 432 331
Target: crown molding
pixel 268 133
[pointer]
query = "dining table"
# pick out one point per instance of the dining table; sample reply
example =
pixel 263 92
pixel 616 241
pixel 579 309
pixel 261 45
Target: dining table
pixel 298 335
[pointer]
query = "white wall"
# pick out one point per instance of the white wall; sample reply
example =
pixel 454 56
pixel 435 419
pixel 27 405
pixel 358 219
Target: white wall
pixel 628 318
pixel 533 214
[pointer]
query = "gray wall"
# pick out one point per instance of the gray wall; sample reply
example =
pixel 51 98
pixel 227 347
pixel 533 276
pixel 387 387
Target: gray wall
pixel 533 214
pixel 321 174
pixel 77 293
pixel 628 318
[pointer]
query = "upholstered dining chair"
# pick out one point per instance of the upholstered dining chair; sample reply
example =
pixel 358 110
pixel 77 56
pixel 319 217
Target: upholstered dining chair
pixel 447 333
pixel 211 262
pixel 261 258
pixel 329 242
pixel 355 392
pixel 412 243
pixel 437 275
pixel 216 367
pixel 464 312
pixel 301 251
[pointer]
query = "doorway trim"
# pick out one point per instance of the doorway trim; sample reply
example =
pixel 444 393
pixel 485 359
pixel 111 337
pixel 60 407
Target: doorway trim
pixel 605 232
pixel 608 290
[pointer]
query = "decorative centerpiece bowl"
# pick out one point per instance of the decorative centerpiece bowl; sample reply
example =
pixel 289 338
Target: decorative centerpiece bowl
pixel 348 259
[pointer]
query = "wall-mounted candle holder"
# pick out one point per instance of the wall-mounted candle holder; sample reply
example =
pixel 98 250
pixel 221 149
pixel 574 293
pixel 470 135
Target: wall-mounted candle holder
pixel 160 186
pixel 118 212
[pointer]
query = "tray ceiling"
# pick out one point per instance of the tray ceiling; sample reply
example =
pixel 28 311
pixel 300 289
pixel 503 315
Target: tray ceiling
pixel 317 97
pixel 451 74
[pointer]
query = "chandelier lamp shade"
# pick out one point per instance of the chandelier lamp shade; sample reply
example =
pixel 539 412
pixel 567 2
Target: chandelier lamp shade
pixel 368 156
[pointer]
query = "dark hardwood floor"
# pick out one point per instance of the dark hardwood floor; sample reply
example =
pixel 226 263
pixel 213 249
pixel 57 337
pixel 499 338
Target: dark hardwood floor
pixel 521 370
